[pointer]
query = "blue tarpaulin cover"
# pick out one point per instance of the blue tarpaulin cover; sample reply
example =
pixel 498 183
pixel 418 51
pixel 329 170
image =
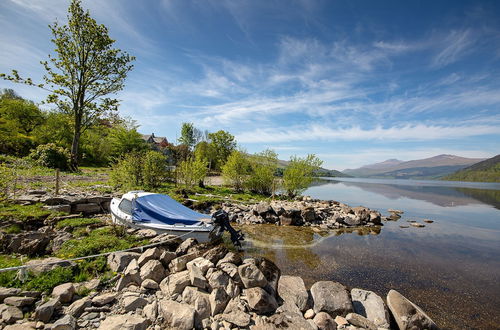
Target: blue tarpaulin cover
pixel 162 209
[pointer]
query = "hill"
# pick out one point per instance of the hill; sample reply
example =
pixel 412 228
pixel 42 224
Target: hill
pixel 428 168
pixel 486 171
pixel 324 172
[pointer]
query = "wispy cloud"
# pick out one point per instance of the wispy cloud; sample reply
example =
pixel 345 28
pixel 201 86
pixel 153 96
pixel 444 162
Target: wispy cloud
pixel 455 45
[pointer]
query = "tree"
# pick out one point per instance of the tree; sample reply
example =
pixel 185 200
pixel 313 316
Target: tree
pixel 190 135
pixel 191 171
pixel 299 174
pixel 264 165
pixel 204 151
pixel 84 71
pixel 223 144
pixel 235 171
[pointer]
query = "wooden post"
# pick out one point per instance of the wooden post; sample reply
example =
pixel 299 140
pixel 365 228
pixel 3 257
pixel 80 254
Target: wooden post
pixel 57 181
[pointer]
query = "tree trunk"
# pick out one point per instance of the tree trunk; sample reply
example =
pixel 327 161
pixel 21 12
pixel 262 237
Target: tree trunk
pixel 73 165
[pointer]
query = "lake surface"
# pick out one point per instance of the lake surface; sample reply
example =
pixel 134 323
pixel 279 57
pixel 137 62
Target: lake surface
pixel 450 268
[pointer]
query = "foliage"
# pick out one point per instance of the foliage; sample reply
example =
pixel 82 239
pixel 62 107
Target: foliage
pixel 264 166
pixel 24 212
pixel 191 171
pixel 206 152
pixel 140 169
pixel 46 281
pixel 54 130
pixel 77 222
pixel 235 171
pixel 190 135
pixel 178 153
pixel 222 144
pixel 300 173
pixel 50 155
pixel 85 69
pixel 124 140
pixel 6 178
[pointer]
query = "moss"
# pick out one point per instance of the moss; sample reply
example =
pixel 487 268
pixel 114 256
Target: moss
pixel 77 222
pixel 9 212
pixel 13 229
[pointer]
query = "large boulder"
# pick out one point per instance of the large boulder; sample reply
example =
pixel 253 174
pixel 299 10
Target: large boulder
pixel 324 321
pixel 104 299
pixel 67 322
pixel 407 314
pixel 331 297
pixel 19 301
pixel 153 270
pixel 118 261
pixel 10 314
pixel 201 263
pixel 29 243
pixel 292 289
pixel 64 292
pixel 149 254
pixel 360 321
pixel 45 311
pixel 78 307
pixel 200 301
pixel 215 254
pixel 175 283
pixel 371 306
pixel 218 300
pixel 8 292
pixel 38 266
pixel 260 301
pixel 180 263
pixel 185 246
pixel 178 316
pixel 124 322
pixel 251 276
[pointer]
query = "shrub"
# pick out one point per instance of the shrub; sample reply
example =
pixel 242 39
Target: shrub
pixel 52 156
pixel 235 171
pixel 154 170
pixel 261 179
pixel 6 179
pixel 191 171
pixel 300 173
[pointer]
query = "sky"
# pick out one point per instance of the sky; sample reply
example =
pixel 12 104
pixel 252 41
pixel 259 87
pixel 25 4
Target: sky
pixel 354 82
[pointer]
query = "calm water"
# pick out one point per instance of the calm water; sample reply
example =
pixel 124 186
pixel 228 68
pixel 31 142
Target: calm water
pixel 451 268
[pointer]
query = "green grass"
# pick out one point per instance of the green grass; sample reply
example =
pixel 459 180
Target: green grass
pixel 77 222
pixel 13 229
pixel 16 212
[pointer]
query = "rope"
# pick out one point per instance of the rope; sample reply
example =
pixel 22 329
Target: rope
pixel 94 255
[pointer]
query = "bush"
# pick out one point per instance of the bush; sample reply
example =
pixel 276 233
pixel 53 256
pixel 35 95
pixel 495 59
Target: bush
pixel 261 179
pixel 6 179
pixel 154 170
pixel 191 171
pixel 299 174
pixel 236 170
pixel 52 156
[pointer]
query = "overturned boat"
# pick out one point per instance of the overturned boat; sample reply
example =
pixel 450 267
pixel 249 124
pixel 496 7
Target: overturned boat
pixel 161 213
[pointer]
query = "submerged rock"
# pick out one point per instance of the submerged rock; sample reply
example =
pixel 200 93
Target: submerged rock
pixel 407 314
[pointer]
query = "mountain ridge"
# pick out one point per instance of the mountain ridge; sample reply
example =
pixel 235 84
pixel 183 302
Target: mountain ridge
pixel 487 170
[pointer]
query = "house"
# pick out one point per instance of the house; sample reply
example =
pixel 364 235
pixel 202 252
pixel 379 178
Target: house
pixel 155 141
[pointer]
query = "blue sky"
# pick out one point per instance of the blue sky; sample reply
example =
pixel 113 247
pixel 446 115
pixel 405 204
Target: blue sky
pixel 354 82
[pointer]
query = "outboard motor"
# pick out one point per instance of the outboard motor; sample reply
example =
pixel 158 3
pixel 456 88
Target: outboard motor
pixel 221 221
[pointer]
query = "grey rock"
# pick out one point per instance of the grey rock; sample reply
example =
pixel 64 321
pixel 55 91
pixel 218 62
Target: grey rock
pixel 293 289
pixel 146 233
pixel 151 311
pixel 124 322
pixel 64 292
pixel 179 264
pixel 38 266
pixel 78 307
pixel 153 269
pixel 331 297
pixel 324 321
pixel 196 277
pixel 215 254
pixel 238 318
pixel 104 299
pixel 87 208
pixel 218 300
pixel 19 301
pixel 10 314
pixel 149 254
pixel 8 292
pixel 360 321
pixel 217 279
pixel 230 257
pixel 200 301
pixel 371 306
pixel 166 257
pixel 200 262
pixel 177 315
pixel 132 303
pixel 251 276
pixel 185 246
pixel 175 283
pixel 260 301
pixel 45 311
pixel 67 322
pixel 150 284
pixel 118 261
pixel 407 314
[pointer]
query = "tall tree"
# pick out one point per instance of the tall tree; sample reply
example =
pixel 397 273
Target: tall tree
pixel 223 144
pixel 84 71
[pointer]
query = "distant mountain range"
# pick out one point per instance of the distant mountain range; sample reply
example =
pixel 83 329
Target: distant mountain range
pixel 428 168
pixel 486 171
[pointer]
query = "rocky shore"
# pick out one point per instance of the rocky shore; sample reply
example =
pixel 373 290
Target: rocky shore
pixel 185 285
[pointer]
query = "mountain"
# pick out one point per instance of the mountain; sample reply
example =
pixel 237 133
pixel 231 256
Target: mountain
pixel 428 168
pixel 486 171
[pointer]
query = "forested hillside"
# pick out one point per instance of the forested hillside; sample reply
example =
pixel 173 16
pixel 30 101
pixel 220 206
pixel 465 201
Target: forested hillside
pixel 486 171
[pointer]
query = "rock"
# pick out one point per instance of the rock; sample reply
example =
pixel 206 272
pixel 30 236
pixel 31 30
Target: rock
pixel 166 257
pixel 104 299
pixel 149 254
pixel 428 221
pixel 309 314
pixel 230 257
pixel 238 318
pixel 215 254
pixel 416 224
pixel 64 292
pixel 218 300
pixel 29 243
pixel 87 208
pixel 151 311
pixel 292 289
pixel 179 264
pixel 38 266
pixel 175 283
pixel 10 314
pixel 272 274
pixel 200 301
pixel 360 321
pixel 131 278
pixel 118 261
pixel 146 233
pixel 331 297
pixel 217 279
pixel 124 322
pixel 341 321
pixel 78 307
pixel 45 311
pixel 260 301
pixel 371 306
pixel 251 276
pixel 407 314
pixel 131 303
pixel 185 246
pixel 8 292
pixel 196 277
pixel 19 301
pixel 67 322
pixel 64 208
pixel 153 269
pixel 324 321
pixel 178 316
pixel 150 284
pixel 200 262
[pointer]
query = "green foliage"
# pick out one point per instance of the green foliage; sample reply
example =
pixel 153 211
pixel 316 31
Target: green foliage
pixel 18 212
pixel 6 181
pixel 77 222
pixel 52 156
pixel 85 69
pixel 236 170
pixel 300 173
pixel 13 229
pixel 140 170
pixel 191 171
pixel 206 152
pixel 46 281
pixel 124 140
pixel 54 130
pixel 190 135
pixel 264 166
pixel 222 143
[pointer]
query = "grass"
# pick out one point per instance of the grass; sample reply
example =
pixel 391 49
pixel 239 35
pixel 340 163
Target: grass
pixel 77 222
pixel 16 212
pixel 13 229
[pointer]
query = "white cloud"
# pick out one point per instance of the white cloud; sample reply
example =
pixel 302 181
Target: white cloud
pixel 455 45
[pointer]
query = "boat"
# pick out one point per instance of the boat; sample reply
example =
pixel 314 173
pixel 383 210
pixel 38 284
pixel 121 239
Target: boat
pixel 161 213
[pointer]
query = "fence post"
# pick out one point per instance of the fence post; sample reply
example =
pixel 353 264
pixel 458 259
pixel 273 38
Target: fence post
pixel 57 181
